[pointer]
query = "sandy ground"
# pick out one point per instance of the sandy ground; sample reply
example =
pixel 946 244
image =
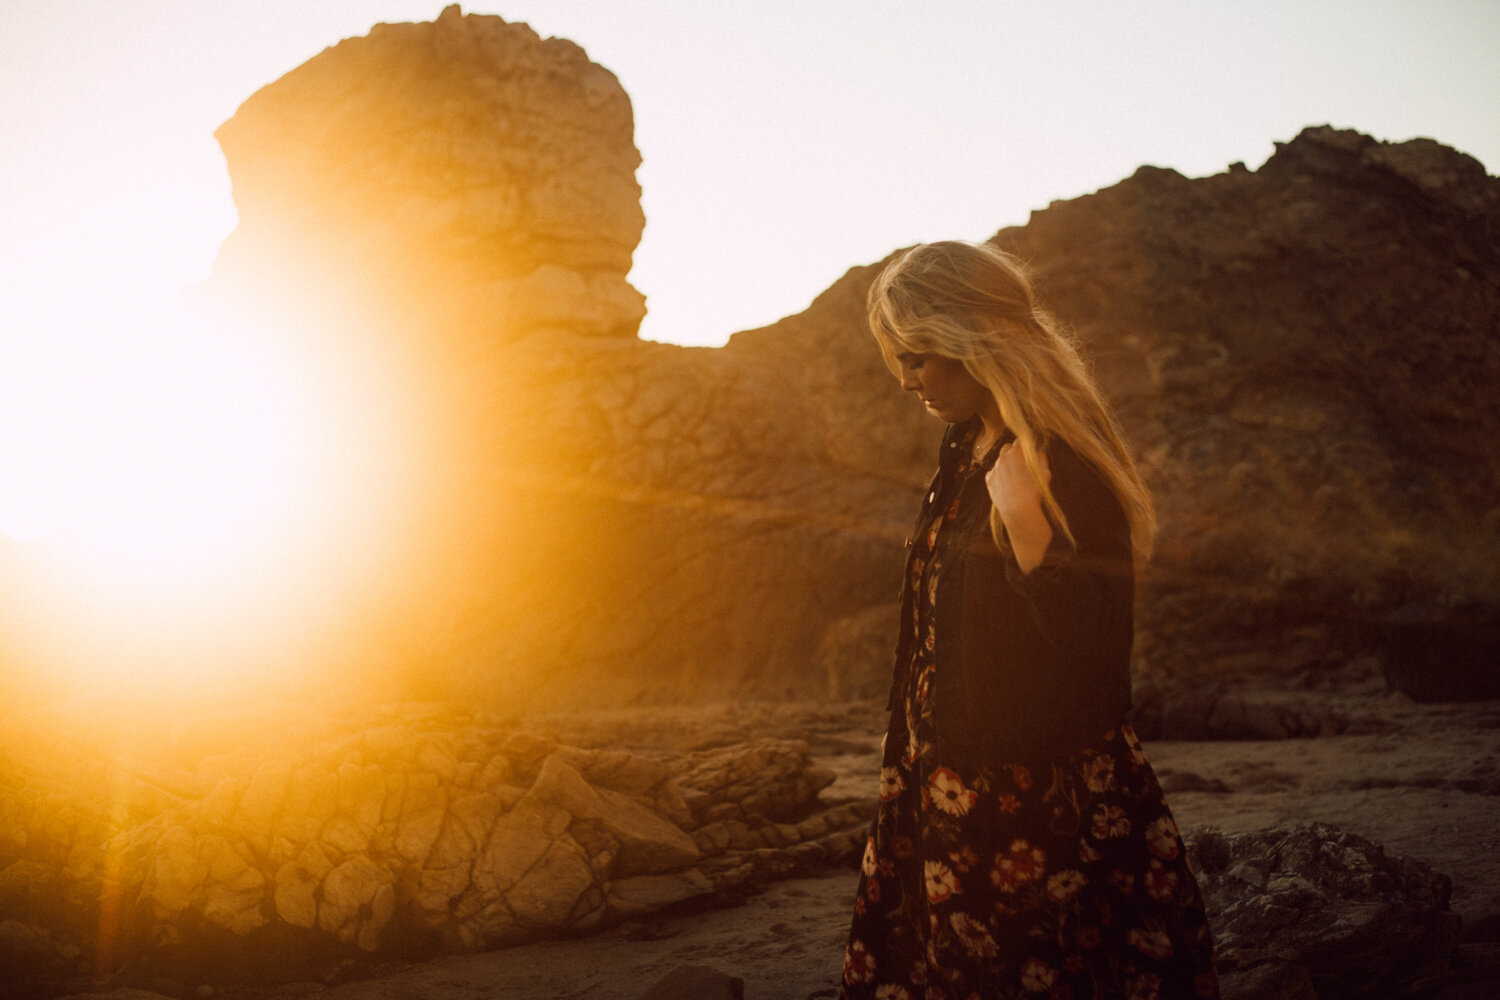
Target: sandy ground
pixel 1425 783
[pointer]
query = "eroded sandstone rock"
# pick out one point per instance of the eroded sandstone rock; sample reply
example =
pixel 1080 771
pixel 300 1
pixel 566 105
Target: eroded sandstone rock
pixel 425 826
pixel 467 163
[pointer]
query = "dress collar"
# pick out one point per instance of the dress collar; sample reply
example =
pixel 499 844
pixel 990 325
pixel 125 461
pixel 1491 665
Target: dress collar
pixel 959 442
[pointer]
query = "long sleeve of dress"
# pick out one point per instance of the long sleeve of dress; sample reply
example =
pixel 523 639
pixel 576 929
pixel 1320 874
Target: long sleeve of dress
pixel 1081 599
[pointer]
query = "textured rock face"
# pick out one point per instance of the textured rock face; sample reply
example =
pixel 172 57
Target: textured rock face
pixel 1313 912
pixel 466 161
pixel 1304 360
pixel 597 519
pixel 415 830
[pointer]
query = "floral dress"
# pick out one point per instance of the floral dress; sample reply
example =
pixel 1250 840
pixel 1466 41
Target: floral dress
pixel 1063 879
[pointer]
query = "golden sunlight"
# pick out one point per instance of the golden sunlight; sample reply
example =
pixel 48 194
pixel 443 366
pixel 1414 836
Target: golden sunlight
pixel 195 496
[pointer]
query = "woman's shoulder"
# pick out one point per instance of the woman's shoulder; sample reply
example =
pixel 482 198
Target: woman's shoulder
pixel 1083 492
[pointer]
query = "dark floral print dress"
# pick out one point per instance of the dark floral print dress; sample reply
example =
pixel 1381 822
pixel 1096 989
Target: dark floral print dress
pixel 1063 879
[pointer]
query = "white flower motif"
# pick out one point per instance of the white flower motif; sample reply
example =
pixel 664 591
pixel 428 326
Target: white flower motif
pixel 891 783
pixel 941 882
pixel 975 937
pixel 1066 884
pixel 949 793
pixel 1037 976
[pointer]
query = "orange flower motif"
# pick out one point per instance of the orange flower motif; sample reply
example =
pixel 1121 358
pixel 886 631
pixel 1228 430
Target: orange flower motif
pixel 1022 776
pixel 974 936
pixel 1037 976
pixel 1030 860
pixel 963 859
pixel 1147 986
pixel 1161 838
pixel 1023 863
pixel 1009 804
pixel 1099 774
pixel 1110 821
pixel 1151 941
pixel 859 964
pixel 1161 882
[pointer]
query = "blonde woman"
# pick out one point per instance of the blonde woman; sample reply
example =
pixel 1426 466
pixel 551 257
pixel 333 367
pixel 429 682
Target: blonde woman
pixel 1021 845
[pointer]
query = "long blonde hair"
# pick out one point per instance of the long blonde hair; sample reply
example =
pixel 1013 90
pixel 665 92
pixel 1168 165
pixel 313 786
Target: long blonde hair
pixel 974 303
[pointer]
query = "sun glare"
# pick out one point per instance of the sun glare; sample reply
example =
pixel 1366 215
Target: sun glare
pixel 190 493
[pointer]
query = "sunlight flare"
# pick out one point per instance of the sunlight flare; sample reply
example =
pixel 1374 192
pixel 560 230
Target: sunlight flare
pixel 190 489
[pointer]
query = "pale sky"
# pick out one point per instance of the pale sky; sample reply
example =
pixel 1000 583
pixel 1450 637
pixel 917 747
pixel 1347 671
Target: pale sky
pixel 783 140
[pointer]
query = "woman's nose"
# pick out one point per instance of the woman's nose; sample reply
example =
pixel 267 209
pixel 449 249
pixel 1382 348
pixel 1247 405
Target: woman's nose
pixel 909 380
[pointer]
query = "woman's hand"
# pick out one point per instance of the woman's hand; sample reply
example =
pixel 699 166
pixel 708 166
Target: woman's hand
pixel 1017 496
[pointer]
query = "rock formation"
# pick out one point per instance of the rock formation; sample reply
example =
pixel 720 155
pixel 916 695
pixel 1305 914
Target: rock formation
pixel 467 155
pixel 420 831
pixel 1304 359
pixel 1302 356
pixel 1314 913
pixel 595 518
pixel 412 832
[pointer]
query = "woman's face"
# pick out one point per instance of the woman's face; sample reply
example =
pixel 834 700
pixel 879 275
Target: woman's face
pixel 944 385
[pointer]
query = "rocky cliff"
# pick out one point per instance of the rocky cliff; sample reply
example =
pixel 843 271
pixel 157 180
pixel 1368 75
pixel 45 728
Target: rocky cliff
pixel 1303 357
pixel 598 518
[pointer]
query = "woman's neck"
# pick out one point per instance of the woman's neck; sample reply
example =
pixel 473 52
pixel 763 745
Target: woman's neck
pixel 991 427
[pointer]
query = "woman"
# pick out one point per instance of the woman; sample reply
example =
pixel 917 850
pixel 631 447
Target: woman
pixel 1021 846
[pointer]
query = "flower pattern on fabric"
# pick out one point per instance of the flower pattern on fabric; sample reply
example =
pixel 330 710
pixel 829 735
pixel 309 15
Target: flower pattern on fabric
pixel 1062 879
pixel 949 794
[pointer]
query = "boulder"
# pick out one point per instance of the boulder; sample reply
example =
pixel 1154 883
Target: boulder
pixel 468 155
pixel 1312 911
